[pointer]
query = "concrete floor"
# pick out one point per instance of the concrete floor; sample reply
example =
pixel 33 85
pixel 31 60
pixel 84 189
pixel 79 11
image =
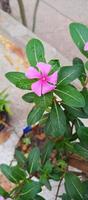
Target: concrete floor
pixel 52 21
pixel 13 32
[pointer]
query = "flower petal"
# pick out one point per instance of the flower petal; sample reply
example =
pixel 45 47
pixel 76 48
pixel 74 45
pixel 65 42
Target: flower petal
pixel 1 198
pixel 86 46
pixel 53 78
pixel 32 73
pixel 37 87
pixel 46 87
pixel 44 68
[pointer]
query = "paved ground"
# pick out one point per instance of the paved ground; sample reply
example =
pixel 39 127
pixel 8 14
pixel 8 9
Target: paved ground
pixel 53 19
pixel 13 33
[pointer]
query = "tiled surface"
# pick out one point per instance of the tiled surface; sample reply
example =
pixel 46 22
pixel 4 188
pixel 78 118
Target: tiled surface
pixel 8 27
pixel 53 19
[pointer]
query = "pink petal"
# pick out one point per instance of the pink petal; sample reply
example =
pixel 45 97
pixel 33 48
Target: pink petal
pixel 46 87
pixel 37 87
pixel 86 46
pixel 44 68
pixel 1 198
pixel 32 73
pixel 53 78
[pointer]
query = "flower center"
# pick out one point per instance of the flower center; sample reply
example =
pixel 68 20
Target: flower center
pixel 44 78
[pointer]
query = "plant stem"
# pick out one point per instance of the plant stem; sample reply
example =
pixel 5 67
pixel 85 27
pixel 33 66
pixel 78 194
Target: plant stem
pixel 35 14
pixel 57 193
pixel 22 12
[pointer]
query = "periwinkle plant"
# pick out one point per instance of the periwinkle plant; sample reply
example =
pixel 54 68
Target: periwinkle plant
pixel 59 108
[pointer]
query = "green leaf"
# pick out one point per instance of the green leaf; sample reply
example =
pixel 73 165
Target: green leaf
pixel 44 101
pixel 43 119
pixel 80 150
pixel 77 148
pixel 14 174
pixel 34 160
pixel 18 173
pixel 76 112
pixel 47 168
pixel 85 94
pixel 74 187
pixel 79 62
pixel 70 96
pixel 3 192
pixel 65 197
pixel 35 115
pixel 56 175
pixel 68 132
pixel 45 182
pixel 6 170
pixel 29 190
pixel 78 123
pixel 83 135
pixel 38 197
pixel 20 158
pixel 55 65
pixel 79 34
pixel 68 73
pixel 86 65
pixel 56 123
pixel 85 187
pixel 48 147
pixel 35 52
pixel 19 80
pixel 29 97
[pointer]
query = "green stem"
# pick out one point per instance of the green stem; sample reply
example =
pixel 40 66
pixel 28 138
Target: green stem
pixel 22 12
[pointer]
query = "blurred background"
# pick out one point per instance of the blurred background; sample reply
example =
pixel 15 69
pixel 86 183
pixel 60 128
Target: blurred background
pixel 50 19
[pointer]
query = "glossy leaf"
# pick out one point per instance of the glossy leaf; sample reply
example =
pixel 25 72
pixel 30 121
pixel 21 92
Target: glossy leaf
pixel 79 62
pixel 20 158
pixel 56 123
pixel 29 97
pixel 19 80
pixel 76 112
pixel 70 96
pixel 68 73
pixel 80 150
pixel 6 170
pixel 85 94
pixel 29 190
pixel 35 52
pixel 79 34
pixel 65 197
pixel 48 147
pixel 34 160
pixel 83 135
pixel 44 101
pixel 74 187
pixel 55 66
pixel 18 173
pixel 35 115
pixel 38 197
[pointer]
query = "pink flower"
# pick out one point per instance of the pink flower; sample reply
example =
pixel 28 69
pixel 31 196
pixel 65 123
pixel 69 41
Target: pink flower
pixel 1 198
pixel 45 82
pixel 86 46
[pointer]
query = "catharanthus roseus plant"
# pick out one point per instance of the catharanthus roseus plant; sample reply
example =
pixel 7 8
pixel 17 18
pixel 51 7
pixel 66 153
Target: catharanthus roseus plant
pixel 59 108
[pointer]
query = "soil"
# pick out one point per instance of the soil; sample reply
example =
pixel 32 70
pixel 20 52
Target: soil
pixel 35 138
